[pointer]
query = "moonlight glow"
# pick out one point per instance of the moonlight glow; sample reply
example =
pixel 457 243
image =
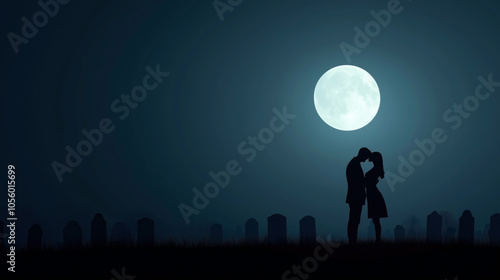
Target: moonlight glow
pixel 347 97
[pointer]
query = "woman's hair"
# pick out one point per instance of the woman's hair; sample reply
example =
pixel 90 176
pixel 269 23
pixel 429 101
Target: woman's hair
pixel 378 163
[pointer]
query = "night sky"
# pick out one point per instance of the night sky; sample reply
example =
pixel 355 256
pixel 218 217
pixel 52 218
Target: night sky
pixel 229 76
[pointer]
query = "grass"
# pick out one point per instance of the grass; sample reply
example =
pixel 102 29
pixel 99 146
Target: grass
pixel 237 260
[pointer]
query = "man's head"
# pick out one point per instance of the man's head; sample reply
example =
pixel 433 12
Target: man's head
pixel 363 154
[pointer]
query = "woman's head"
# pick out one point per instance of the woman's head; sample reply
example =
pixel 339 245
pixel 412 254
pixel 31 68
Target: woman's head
pixel 378 163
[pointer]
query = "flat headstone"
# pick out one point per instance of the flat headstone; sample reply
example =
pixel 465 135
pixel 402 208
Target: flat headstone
pixel 98 231
pixel 466 227
pixel 216 234
pixel 307 227
pixel 145 231
pixel 35 237
pixel 494 231
pixel 276 229
pixel 251 230
pixel 120 234
pixel 434 227
pixel 72 234
pixel 399 233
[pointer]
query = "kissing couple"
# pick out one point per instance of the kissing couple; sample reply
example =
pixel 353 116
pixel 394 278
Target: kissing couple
pixel 364 186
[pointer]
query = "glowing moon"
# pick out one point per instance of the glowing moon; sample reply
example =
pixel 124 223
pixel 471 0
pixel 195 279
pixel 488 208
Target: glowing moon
pixel 346 97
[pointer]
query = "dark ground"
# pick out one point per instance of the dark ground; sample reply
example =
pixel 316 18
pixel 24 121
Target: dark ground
pixel 411 260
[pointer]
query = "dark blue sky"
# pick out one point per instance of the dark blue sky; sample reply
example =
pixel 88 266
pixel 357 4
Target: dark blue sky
pixel 225 78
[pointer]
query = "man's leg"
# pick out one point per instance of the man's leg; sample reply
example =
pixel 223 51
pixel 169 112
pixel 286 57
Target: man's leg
pixel 354 219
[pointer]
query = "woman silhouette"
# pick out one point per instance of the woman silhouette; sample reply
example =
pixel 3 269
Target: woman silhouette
pixel 376 204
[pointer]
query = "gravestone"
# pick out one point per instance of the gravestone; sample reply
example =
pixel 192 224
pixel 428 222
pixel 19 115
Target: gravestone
pixel 98 231
pixel 495 229
pixel 399 233
pixel 72 235
pixel 307 226
pixel 145 231
pixel 120 234
pixel 466 227
pixel 434 226
pixel 251 230
pixel 35 237
pixel 216 234
pixel 276 229
pixel 449 234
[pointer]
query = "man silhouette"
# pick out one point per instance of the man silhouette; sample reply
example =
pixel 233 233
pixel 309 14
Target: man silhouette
pixel 356 193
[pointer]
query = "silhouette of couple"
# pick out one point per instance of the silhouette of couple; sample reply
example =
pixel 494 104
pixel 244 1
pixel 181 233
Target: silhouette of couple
pixel 361 186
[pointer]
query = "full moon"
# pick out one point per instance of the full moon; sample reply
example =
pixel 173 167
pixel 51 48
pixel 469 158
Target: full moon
pixel 346 97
